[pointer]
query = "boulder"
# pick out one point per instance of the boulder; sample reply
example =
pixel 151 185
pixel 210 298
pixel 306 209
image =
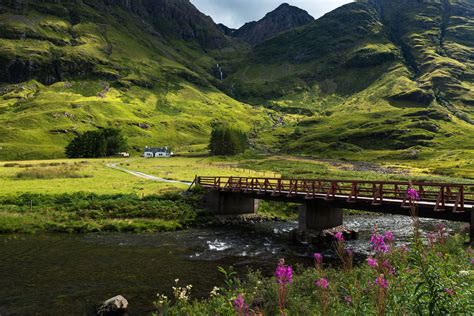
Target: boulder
pixel 116 305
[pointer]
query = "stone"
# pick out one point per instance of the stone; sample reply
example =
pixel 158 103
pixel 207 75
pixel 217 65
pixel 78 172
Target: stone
pixel 116 305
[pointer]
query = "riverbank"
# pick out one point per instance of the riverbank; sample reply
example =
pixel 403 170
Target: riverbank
pixel 433 275
pixel 88 212
pixel 75 272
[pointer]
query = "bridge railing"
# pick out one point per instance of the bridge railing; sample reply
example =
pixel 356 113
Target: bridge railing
pixel 440 195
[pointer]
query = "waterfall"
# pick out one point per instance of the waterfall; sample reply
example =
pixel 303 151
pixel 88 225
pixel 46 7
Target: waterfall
pixel 221 74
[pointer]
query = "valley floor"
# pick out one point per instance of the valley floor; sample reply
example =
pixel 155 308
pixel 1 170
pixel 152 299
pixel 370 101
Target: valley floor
pixel 139 194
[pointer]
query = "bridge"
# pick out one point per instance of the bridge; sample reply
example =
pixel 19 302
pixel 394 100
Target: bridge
pixel 322 200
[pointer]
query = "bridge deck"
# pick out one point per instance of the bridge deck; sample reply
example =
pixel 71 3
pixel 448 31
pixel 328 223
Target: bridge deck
pixel 433 197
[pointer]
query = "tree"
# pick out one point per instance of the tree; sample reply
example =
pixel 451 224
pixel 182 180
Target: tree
pixel 94 144
pixel 226 140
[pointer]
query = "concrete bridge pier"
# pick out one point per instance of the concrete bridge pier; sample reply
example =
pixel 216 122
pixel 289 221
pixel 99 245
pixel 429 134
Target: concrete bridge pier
pixel 318 215
pixel 227 203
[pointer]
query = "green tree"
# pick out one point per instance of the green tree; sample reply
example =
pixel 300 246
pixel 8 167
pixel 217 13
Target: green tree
pixel 227 140
pixel 94 144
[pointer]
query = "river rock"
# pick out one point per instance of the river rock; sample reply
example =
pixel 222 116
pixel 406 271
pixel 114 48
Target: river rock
pixel 116 305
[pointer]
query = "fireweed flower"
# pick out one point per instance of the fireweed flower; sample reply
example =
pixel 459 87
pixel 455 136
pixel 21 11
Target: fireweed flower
pixel 432 237
pixel 378 243
pixel 348 298
pixel 339 236
pixel 322 283
pixel 472 261
pixel 441 227
pixel 413 194
pixel 388 267
pixel 239 302
pixel 404 248
pixel 372 262
pixel 381 282
pixel 284 274
pixel 318 258
pixel 388 236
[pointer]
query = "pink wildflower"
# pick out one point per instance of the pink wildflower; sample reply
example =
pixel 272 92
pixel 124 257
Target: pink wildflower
pixel 378 243
pixel 388 267
pixel 339 236
pixel 432 238
pixel 381 282
pixel 472 261
pixel 322 283
pixel 388 236
pixel 318 258
pixel 404 248
pixel 372 262
pixel 284 274
pixel 413 194
pixel 239 302
pixel 348 298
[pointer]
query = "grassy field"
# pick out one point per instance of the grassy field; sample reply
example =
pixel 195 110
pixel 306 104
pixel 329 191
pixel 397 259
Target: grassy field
pixel 87 195
pixel 94 175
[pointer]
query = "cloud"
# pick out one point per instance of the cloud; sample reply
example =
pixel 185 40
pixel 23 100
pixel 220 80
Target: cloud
pixel 234 13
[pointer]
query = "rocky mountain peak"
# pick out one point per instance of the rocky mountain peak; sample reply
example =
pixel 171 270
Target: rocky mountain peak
pixel 282 19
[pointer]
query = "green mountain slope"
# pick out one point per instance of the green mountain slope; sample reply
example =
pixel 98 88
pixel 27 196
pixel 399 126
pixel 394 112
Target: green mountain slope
pixel 71 66
pixel 376 78
pixel 378 74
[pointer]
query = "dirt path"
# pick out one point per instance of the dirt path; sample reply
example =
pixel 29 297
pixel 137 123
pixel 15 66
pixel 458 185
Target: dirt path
pixel 144 175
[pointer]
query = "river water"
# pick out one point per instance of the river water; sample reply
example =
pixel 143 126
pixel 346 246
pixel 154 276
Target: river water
pixel 60 274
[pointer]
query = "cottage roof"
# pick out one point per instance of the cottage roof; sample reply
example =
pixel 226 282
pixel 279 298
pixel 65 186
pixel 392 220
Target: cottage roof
pixel 157 150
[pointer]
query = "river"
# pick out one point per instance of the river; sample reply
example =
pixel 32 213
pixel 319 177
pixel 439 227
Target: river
pixel 61 274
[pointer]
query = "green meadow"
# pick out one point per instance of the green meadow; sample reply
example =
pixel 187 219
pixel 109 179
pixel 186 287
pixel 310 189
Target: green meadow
pixel 83 195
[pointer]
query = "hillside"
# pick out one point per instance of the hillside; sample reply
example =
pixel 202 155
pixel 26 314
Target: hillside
pixel 379 75
pixel 384 79
pixel 147 67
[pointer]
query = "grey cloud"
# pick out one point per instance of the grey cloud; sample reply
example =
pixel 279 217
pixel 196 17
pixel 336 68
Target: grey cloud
pixel 234 13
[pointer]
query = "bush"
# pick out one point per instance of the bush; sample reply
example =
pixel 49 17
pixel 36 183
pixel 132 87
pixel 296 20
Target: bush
pixel 94 144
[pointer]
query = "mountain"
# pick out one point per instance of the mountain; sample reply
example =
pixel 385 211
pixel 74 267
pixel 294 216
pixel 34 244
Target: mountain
pixel 226 30
pixel 392 79
pixel 283 18
pixel 147 67
pixel 378 74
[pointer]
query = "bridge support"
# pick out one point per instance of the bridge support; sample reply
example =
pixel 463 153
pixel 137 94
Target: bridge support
pixel 227 203
pixel 318 215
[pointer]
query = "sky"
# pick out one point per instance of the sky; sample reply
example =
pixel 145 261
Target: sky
pixel 234 13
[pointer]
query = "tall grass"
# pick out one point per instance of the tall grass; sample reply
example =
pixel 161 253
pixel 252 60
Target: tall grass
pixel 86 212
pixel 52 171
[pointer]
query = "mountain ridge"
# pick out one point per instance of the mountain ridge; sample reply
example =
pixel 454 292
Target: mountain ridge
pixel 377 76
pixel 285 17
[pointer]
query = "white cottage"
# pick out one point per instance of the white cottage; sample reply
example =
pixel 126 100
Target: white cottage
pixel 159 152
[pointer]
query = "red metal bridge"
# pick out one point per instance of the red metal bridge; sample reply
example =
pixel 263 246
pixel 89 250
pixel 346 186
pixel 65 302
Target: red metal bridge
pixel 436 200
